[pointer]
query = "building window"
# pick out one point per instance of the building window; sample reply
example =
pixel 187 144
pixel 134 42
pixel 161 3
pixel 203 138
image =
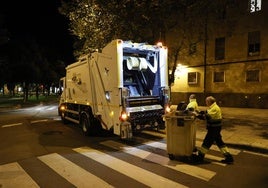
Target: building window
pixel 192 48
pixel 219 76
pixel 254 5
pixel 219 48
pixel 254 43
pixel 192 77
pixel 253 76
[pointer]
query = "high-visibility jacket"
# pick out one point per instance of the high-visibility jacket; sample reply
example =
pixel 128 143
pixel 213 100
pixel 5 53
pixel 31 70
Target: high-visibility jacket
pixel 192 105
pixel 213 115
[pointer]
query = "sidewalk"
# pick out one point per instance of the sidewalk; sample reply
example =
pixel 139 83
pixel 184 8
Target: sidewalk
pixel 243 128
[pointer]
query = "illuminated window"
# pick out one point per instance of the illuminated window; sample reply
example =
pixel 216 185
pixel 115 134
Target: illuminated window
pixel 219 48
pixel 254 43
pixel 192 77
pixel 254 5
pixel 218 76
pixel 253 76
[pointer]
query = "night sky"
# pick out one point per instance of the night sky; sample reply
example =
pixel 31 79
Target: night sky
pixel 39 19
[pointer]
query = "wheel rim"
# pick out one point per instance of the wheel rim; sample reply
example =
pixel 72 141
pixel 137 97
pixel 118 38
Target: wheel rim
pixel 84 125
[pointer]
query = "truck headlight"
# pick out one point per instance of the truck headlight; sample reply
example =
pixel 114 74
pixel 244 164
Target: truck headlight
pixel 124 116
pixel 62 108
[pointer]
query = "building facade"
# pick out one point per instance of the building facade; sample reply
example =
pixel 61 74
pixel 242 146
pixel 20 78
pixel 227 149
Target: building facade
pixel 229 60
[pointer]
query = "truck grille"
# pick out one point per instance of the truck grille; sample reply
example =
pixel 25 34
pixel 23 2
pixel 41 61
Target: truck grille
pixel 132 102
pixel 148 116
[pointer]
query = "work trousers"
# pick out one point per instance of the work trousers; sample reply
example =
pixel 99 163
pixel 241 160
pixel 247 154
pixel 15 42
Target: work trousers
pixel 213 135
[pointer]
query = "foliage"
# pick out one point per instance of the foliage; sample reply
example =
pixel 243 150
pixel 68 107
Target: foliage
pixel 97 22
pixel 83 15
pixel 27 56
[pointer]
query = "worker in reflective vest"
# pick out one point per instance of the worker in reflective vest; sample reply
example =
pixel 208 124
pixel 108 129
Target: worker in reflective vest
pixel 192 105
pixel 213 117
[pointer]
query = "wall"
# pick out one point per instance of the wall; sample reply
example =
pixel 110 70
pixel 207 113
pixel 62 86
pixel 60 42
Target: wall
pixel 235 91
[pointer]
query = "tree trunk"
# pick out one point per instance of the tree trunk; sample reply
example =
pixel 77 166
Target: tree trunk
pixel 26 92
pixel 37 91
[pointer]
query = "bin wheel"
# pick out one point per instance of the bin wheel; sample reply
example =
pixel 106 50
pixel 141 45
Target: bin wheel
pixel 171 156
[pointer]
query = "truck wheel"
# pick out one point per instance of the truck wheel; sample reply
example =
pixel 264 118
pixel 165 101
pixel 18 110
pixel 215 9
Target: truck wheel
pixel 96 127
pixel 85 125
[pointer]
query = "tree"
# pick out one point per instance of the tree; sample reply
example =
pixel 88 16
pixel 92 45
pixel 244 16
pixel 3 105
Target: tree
pixel 3 51
pixel 25 62
pixel 89 23
pixel 95 23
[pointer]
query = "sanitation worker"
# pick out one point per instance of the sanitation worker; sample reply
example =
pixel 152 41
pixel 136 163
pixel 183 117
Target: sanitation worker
pixel 213 118
pixel 192 105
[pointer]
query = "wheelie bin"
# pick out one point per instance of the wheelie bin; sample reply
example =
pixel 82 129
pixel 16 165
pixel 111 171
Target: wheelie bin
pixel 180 134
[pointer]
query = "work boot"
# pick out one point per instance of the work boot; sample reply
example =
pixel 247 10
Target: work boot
pixel 199 157
pixel 228 159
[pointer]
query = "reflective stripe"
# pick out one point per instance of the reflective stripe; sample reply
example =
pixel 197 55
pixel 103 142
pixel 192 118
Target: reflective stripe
pixel 203 150
pixel 224 150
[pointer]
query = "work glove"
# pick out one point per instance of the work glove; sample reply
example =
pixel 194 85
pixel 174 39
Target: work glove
pixel 201 115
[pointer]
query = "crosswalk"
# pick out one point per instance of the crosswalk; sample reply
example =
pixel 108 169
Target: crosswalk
pixel 13 175
pixel 113 166
pixel 71 172
pixel 162 160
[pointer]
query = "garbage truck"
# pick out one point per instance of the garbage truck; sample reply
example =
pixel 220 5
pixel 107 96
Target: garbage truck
pixel 122 88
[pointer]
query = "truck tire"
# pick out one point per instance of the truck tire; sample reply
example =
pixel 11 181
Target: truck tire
pixel 85 124
pixel 96 127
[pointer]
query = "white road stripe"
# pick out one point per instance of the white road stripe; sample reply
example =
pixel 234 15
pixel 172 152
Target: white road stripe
pixel 13 175
pixel 137 173
pixel 11 125
pixel 38 121
pixel 214 159
pixel 159 145
pixel 207 156
pixel 254 153
pixel 71 172
pixel 215 148
pixel 175 165
pixel 198 143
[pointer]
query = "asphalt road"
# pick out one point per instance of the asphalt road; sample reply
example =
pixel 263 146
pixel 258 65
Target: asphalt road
pixel 38 150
